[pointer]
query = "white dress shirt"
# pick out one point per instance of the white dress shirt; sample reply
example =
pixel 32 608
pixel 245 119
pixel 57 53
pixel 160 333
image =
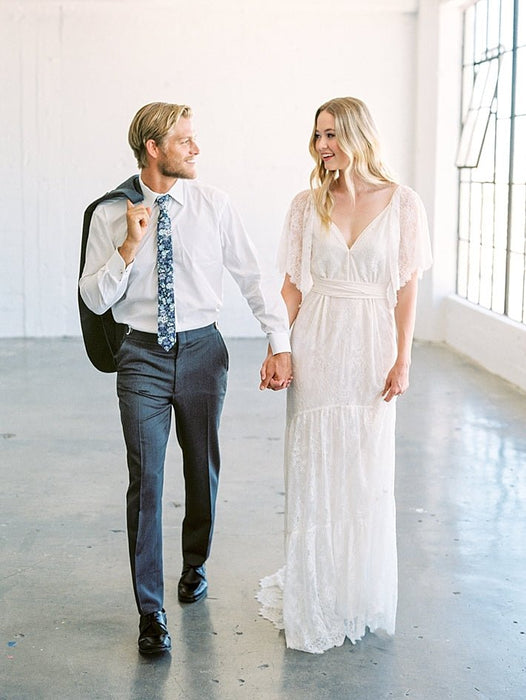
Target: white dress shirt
pixel 207 236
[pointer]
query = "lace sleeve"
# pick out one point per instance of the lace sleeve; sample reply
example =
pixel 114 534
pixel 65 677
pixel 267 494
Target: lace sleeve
pixel 415 247
pixel 296 240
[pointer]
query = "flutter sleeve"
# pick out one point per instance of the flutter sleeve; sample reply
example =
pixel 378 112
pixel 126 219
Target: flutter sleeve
pixel 294 251
pixel 414 253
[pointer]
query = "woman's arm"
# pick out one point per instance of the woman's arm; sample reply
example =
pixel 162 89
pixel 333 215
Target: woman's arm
pixel 398 378
pixel 270 369
pixel 292 297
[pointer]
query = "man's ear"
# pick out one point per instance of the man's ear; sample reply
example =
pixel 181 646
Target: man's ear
pixel 152 148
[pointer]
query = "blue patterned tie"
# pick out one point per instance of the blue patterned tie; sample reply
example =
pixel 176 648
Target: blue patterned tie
pixel 165 277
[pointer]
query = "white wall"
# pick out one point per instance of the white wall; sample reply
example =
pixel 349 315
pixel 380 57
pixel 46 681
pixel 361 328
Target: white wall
pixel 75 72
pixel 495 342
pixel 436 178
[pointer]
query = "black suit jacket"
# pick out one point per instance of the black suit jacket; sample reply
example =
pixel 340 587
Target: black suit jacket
pixel 102 335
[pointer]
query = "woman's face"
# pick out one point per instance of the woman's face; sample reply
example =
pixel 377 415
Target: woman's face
pixel 327 144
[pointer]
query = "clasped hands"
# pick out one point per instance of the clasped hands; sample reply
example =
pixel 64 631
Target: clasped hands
pixel 276 371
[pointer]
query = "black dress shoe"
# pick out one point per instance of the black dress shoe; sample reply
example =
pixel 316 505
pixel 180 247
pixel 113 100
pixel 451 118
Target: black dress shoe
pixel 192 584
pixel 153 633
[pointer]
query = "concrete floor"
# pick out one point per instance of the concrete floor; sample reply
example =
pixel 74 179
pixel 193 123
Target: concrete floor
pixel 68 621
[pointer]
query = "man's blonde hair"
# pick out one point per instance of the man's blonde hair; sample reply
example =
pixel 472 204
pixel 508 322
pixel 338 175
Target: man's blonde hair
pixel 153 121
pixel 358 138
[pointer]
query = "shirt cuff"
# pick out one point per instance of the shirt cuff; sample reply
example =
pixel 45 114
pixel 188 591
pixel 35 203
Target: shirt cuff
pixel 117 267
pixel 279 342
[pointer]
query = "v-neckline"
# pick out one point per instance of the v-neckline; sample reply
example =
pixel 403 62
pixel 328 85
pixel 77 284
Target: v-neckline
pixel 364 230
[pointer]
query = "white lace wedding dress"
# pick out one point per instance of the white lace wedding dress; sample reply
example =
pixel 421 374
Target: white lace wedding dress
pixel 340 573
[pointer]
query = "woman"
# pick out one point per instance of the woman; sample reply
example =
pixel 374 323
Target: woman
pixel 353 249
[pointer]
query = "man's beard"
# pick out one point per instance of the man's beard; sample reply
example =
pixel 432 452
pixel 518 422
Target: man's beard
pixel 167 171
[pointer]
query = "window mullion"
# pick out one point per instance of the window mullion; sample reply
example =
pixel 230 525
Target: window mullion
pixel 512 152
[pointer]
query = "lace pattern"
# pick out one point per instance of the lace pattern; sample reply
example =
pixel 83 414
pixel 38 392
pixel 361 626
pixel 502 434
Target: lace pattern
pixel 340 576
pixel 412 251
pixel 414 248
pixel 294 252
pixel 340 573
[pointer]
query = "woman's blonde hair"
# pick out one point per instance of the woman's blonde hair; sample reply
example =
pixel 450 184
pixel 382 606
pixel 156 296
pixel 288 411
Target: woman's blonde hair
pixel 153 121
pixel 358 138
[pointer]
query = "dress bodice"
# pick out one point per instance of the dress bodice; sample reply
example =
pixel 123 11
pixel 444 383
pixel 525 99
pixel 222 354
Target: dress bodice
pixel 393 247
pixel 367 260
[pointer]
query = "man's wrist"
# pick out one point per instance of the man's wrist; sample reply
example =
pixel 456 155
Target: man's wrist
pixel 279 342
pixel 127 252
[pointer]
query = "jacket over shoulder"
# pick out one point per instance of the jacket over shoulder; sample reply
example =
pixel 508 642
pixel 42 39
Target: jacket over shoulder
pixel 102 334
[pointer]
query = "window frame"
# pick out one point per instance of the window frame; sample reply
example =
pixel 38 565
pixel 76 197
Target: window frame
pixel 477 250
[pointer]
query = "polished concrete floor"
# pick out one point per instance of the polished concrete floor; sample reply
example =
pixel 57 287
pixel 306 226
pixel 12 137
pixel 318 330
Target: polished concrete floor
pixel 68 622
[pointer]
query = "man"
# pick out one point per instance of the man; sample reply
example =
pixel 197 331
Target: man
pixel 157 266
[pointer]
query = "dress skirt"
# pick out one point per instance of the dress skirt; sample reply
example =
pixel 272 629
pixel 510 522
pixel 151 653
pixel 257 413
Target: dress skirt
pixel 340 573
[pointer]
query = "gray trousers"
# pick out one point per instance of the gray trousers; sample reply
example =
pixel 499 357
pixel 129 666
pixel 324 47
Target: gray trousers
pixel 191 379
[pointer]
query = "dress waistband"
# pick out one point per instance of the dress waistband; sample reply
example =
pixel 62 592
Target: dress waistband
pixel 349 290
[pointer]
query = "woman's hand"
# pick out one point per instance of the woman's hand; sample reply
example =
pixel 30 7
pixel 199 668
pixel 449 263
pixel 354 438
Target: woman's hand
pixel 397 380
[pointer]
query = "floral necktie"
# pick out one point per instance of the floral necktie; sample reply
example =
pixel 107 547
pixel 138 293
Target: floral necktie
pixel 165 277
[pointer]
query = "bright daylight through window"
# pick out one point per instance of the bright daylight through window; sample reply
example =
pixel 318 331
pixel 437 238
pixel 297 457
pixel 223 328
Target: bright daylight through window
pixel 491 158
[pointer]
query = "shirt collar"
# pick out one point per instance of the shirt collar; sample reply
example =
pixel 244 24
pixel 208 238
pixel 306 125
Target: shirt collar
pixel 177 192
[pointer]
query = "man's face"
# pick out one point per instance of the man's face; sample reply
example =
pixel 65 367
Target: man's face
pixel 178 151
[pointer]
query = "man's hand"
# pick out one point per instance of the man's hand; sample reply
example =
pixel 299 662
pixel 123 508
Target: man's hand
pixel 137 218
pixel 276 371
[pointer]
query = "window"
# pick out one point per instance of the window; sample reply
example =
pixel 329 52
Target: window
pixel 491 157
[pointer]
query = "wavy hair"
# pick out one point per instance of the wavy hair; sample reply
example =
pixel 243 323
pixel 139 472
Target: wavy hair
pixel 153 121
pixel 358 138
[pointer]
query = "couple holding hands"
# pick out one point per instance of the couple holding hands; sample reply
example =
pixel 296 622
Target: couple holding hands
pixel 353 247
